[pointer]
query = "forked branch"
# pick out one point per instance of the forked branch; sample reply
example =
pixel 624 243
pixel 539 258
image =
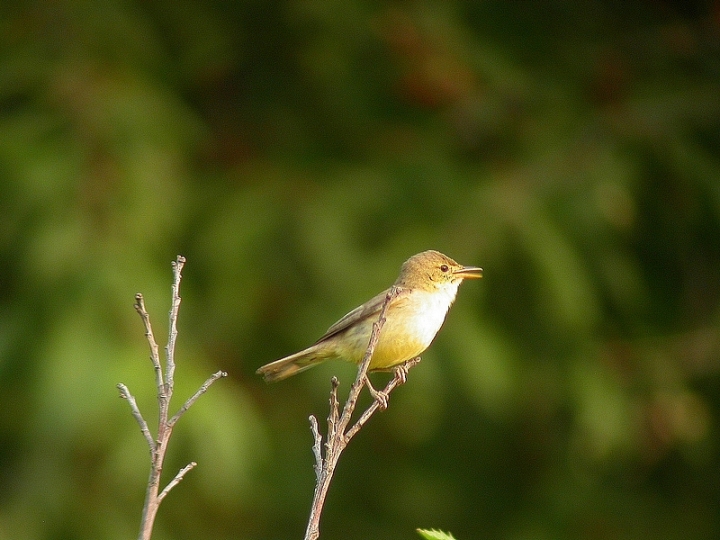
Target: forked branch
pixel 164 383
pixel 340 431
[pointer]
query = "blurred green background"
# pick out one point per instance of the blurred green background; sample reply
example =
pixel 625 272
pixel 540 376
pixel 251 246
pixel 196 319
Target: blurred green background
pixel 297 153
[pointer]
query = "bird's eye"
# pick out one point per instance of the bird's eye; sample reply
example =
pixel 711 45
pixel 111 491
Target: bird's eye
pixel 444 268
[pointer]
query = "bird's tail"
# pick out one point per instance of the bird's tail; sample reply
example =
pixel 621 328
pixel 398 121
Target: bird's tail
pixel 290 365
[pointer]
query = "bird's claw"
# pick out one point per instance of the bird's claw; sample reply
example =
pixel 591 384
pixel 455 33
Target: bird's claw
pixel 380 397
pixel 401 373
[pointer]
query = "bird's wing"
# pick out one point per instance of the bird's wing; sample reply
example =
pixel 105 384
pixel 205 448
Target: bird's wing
pixel 371 308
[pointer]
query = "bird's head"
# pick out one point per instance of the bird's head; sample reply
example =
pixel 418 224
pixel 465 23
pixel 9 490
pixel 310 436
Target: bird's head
pixel 431 270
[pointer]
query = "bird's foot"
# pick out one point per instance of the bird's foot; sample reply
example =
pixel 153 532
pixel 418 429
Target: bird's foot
pixel 381 398
pixel 401 371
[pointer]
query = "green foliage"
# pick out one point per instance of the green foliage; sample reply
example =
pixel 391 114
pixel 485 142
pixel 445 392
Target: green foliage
pixel 296 153
pixel 432 534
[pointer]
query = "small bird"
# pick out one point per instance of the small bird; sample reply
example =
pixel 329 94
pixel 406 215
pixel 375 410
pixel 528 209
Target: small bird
pixel 425 290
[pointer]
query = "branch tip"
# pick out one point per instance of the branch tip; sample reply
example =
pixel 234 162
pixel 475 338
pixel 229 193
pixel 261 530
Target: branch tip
pixel 175 481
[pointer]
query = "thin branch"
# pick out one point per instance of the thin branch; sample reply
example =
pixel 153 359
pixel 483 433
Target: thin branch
pixel 125 394
pixel 334 414
pixel 192 399
pixel 338 435
pixel 175 481
pixel 165 385
pixel 396 381
pixel 154 349
pixel 361 378
pixel 177 267
pixel 317 446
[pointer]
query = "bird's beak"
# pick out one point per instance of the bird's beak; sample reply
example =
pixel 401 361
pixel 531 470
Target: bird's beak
pixel 469 272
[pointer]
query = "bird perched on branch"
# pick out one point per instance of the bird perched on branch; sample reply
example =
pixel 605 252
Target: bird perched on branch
pixel 425 290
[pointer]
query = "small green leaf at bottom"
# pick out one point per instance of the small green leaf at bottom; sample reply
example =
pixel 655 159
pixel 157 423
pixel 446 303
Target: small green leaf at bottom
pixel 432 534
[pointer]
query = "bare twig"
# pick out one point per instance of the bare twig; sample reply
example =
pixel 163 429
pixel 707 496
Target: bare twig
pixel 175 481
pixel 317 446
pixel 396 381
pixel 192 399
pixel 177 267
pixel 334 415
pixel 154 351
pixel 125 394
pixel 164 383
pixel 339 435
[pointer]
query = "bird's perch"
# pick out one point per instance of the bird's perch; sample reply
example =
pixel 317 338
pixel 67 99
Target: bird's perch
pixel 339 434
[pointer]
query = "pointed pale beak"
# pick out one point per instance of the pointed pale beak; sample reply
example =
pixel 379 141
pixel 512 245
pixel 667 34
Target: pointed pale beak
pixel 469 272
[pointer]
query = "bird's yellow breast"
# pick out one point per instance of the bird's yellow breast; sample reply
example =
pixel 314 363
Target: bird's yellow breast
pixel 411 325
